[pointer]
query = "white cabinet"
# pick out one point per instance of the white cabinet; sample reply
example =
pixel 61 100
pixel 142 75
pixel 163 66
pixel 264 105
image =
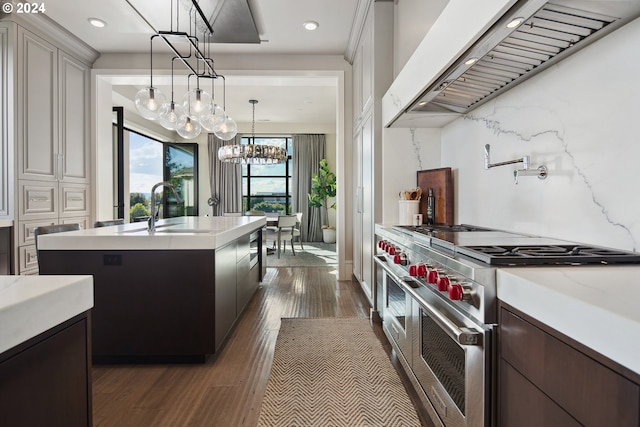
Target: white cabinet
pixel 372 74
pixel 51 139
pixel 53 125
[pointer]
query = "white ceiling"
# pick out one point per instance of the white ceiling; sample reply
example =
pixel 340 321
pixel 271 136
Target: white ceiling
pixel 279 25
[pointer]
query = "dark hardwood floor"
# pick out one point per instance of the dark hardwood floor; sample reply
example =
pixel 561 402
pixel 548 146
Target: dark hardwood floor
pixel 227 390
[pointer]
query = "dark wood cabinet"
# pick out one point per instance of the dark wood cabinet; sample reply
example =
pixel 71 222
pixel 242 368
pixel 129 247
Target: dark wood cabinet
pixel 46 381
pixel 546 380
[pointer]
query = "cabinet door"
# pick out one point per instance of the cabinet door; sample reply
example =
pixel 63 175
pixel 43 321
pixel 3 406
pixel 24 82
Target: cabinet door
pixel 38 200
pixel 74 200
pixel 590 392
pixel 37 133
pixel 74 119
pixel 225 292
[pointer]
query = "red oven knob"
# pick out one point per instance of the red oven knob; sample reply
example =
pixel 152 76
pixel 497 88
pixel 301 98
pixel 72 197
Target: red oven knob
pixel 443 283
pixel 400 258
pixel 381 244
pixel 421 270
pixel 384 245
pixel 413 270
pixel 432 277
pixel 456 292
pixel 391 250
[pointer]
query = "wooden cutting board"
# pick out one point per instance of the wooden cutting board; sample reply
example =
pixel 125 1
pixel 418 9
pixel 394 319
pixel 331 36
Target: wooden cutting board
pixel 441 180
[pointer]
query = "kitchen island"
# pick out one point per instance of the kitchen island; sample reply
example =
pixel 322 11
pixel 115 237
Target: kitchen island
pixel 171 295
pixel 45 358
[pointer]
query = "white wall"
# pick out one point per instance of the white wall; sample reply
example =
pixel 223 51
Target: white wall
pixel 581 118
pixel 404 152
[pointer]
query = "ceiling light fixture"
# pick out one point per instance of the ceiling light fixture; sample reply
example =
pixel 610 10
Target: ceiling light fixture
pixel 197 109
pixel 470 61
pixel 98 23
pixel 311 25
pixel 252 153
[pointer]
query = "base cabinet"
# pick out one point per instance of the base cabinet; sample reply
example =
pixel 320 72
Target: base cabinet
pixel 544 380
pixel 46 381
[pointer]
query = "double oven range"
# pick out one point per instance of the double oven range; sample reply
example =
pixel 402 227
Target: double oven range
pixel 436 294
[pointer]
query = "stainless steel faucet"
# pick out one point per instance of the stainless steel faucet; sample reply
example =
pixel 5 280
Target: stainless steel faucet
pixel 152 219
pixel 488 164
pixel 541 171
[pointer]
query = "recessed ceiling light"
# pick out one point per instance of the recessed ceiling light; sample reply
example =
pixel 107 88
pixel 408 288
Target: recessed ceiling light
pixel 310 25
pixel 515 22
pixel 470 61
pixel 99 23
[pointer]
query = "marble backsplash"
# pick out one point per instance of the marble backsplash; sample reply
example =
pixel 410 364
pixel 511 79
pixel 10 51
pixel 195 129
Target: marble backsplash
pixel 580 118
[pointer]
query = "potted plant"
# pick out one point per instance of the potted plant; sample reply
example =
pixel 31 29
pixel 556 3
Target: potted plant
pixel 323 188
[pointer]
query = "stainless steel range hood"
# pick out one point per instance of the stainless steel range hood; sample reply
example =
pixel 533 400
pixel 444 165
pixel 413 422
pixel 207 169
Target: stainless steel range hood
pixel 504 57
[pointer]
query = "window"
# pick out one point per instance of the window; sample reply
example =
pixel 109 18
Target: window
pixel 152 161
pixel 268 187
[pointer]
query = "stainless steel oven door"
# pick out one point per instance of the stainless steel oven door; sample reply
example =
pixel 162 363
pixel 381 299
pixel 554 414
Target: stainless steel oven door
pixel 397 316
pixel 452 363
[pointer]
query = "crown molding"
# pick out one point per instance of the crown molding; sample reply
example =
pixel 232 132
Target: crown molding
pixel 48 29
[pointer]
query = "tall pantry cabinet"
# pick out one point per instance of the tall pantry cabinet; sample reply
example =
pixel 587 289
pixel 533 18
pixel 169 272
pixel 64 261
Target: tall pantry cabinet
pixel 372 75
pixel 51 94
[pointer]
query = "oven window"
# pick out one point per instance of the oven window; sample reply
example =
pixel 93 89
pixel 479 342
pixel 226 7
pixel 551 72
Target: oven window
pixel 445 358
pixel 396 301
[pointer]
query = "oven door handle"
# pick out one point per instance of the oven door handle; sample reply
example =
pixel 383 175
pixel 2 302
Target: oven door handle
pixel 462 335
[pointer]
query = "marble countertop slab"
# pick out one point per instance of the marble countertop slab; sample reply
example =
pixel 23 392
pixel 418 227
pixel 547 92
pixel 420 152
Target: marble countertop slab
pixel 181 233
pixel 30 305
pixel 594 305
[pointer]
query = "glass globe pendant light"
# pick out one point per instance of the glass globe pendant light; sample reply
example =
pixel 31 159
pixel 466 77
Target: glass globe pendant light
pixel 188 128
pixel 226 129
pixel 195 102
pixel 170 114
pixel 149 100
pixel 213 115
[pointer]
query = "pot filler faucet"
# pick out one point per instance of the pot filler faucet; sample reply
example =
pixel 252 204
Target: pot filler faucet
pixel 152 219
pixel 541 171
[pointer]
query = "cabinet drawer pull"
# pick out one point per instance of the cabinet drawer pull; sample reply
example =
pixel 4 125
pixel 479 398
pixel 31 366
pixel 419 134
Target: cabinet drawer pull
pixel 38 199
pixel 75 199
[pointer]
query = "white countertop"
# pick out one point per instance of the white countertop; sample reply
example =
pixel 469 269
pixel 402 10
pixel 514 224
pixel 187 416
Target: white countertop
pixel 30 305
pixel 595 305
pixel 181 233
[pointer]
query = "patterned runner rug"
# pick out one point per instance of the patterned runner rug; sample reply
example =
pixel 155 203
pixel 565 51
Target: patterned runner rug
pixel 333 372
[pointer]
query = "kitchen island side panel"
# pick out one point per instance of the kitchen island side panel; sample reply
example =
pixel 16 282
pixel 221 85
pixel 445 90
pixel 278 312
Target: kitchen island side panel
pixel 148 305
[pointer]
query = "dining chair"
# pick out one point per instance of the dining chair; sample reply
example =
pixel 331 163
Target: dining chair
pixel 297 230
pixel 283 232
pixel 108 222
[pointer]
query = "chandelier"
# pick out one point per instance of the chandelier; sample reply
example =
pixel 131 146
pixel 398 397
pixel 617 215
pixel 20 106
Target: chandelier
pixel 252 153
pixel 197 109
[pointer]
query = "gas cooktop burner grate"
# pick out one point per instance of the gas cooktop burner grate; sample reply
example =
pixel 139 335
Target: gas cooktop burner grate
pixel 429 229
pixel 549 255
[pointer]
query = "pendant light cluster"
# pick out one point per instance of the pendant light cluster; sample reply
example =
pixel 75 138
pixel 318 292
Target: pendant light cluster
pixel 197 110
pixel 252 153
